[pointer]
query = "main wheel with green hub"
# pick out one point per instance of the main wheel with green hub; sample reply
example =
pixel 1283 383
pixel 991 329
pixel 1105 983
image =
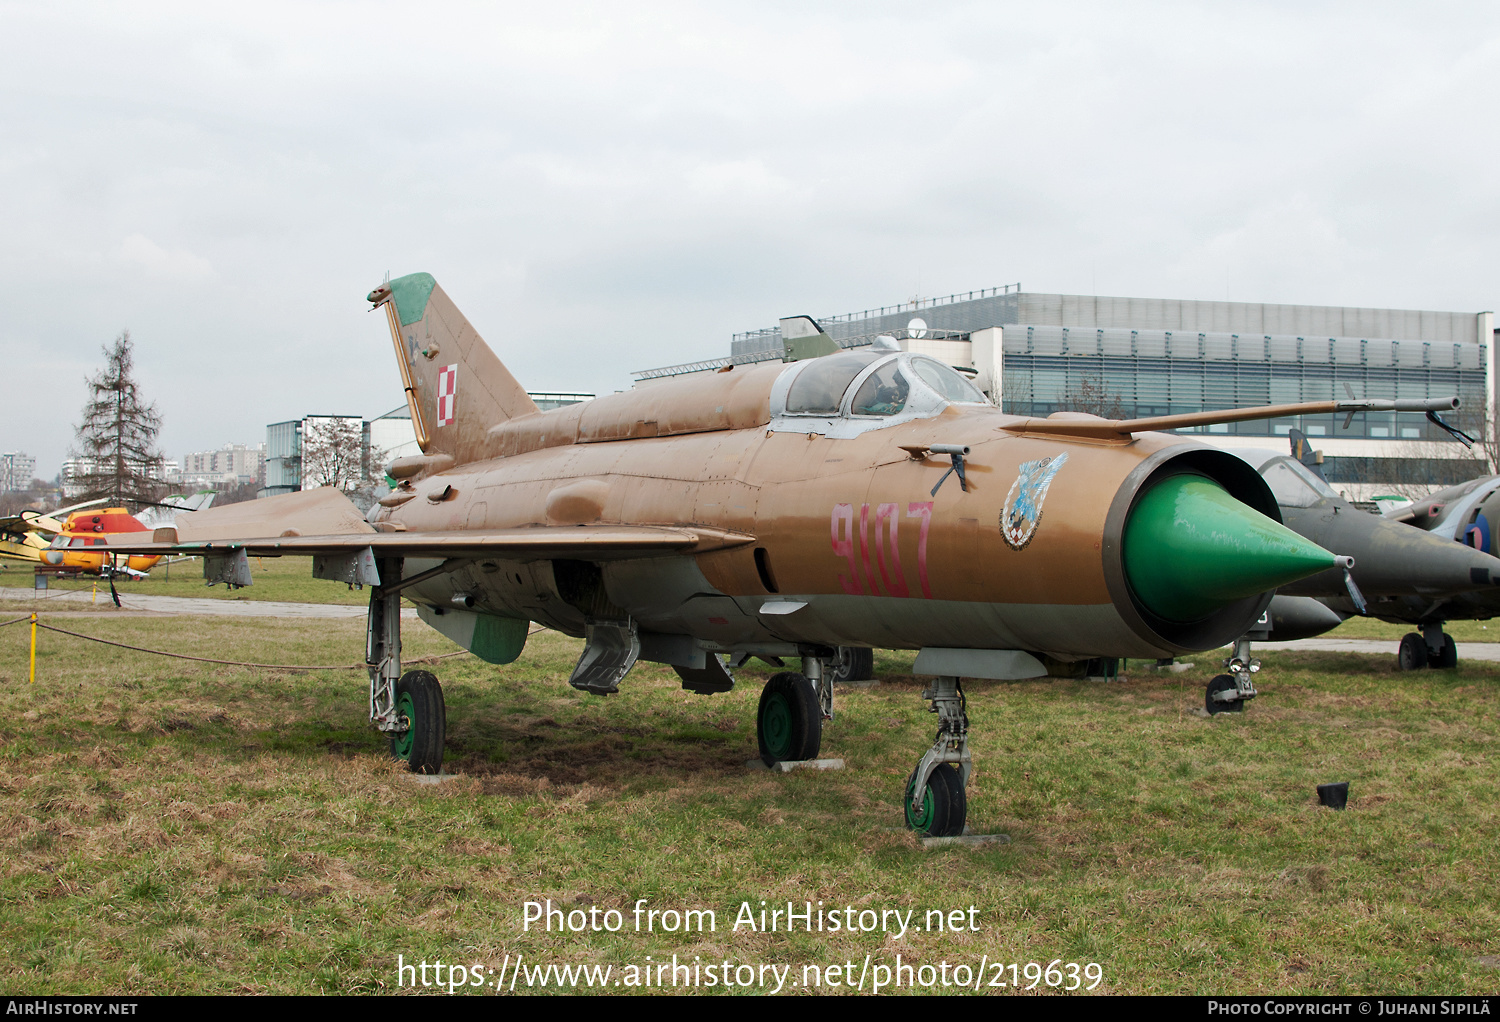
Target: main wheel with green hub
pixel 944 804
pixel 419 700
pixel 789 723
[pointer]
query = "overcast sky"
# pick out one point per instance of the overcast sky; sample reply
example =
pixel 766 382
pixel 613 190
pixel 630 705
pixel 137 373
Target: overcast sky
pixel 608 187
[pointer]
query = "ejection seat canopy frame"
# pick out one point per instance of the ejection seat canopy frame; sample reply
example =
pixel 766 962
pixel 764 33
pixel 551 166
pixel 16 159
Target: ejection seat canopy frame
pixel 820 395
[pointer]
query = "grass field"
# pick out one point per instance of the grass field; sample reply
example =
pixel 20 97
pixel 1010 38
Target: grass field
pixel 173 827
pixel 1369 628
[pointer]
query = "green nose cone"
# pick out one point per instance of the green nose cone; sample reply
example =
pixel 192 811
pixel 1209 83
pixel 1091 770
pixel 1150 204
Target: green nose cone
pixel 1191 549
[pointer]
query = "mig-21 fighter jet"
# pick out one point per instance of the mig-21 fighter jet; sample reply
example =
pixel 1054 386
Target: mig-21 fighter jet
pixel 844 498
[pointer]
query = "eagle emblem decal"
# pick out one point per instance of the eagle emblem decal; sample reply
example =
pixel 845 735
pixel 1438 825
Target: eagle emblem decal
pixel 1023 504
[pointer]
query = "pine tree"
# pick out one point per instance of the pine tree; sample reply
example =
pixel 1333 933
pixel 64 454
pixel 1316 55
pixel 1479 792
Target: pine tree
pixel 116 441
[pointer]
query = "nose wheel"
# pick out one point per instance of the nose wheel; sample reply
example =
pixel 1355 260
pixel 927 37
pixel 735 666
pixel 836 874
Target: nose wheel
pixel 1228 693
pixel 944 805
pixel 1223 696
pixel 1412 654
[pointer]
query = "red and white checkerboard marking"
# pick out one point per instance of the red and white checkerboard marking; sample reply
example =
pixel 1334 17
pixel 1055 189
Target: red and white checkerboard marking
pixel 447 394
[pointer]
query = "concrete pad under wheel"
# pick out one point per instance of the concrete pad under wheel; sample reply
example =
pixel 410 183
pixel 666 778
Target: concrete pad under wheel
pixel 802 764
pixel 966 839
pixel 433 778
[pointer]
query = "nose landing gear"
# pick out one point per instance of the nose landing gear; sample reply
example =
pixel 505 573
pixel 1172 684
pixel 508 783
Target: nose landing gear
pixel 935 803
pixel 1228 693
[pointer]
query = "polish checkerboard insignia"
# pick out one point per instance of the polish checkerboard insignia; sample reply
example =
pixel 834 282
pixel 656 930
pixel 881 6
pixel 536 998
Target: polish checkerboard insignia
pixel 1023 504
pixel 447 394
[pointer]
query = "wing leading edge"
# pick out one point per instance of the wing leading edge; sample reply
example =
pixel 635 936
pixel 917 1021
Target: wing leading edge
pixel 324 522
pixel 589 542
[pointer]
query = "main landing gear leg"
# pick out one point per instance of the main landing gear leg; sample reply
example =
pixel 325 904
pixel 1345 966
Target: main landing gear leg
pixel 819 673
pixel 789 721
pixel 1442 651
pixel 408 708
pixel 935 802
pixel 1431 647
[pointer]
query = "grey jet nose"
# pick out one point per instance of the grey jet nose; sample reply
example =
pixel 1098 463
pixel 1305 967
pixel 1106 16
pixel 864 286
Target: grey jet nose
pixel 1390 558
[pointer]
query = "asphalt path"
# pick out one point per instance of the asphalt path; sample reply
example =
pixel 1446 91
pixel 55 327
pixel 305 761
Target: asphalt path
pixel 137 603
pixel 1466 650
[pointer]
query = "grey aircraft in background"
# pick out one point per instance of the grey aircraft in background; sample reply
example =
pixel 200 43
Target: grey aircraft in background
pixel 1400 574
pixel 1461 518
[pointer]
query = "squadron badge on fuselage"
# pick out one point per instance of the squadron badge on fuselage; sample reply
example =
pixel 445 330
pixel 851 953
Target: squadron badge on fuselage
pixel 1023 504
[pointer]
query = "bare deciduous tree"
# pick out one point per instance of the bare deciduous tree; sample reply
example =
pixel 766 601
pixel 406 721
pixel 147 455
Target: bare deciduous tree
pixel 1435 462
pixel 333 454
pixel 1089 394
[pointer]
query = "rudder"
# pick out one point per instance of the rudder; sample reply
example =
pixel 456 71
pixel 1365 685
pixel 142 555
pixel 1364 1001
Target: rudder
pixel 456 387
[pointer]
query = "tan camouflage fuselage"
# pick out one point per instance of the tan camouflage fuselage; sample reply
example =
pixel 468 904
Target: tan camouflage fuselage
pixel 848 526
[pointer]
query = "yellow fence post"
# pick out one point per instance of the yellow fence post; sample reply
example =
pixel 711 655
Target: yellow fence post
pixel 33 648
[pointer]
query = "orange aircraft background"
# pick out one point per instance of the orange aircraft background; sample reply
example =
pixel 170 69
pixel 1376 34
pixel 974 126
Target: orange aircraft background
pixel 82 546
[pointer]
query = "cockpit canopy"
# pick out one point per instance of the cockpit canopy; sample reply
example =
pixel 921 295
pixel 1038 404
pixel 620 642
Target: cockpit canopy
pixel 868 389
pixel 1293 483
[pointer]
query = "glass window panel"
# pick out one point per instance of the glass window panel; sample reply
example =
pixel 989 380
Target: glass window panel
pixel 946 382
pixel 1186 389
pixel 1253 389
pixel 1151 388
pixel 1285 391
pixel 1290 488
pixel 884 392
pixel 820 387
pixel 1050 385
pixel 1318 388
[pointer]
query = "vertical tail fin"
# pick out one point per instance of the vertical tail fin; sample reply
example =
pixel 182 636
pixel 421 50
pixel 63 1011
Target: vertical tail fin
pixel 455 386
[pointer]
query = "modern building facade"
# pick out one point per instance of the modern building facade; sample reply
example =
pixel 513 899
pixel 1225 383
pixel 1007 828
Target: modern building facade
pixel 230 465
pixel 17 469
pixel 77 471
pixel 301 452
pixel 383 439
pixel 1035 354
